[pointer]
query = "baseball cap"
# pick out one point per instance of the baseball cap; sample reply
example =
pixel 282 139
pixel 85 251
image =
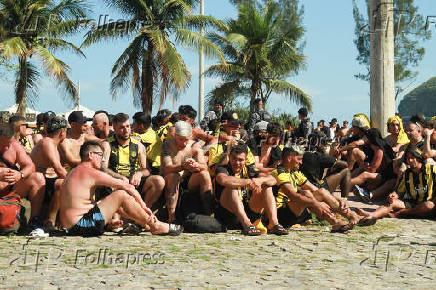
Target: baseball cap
pixel 294 148
pixel 415 151
pixel 77 116
pixel 359 122
pixel 230 117
pixel 44 117
pixel 183 128
pixel 55 124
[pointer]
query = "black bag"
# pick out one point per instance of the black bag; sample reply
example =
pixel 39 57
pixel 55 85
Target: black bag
pixel 199 223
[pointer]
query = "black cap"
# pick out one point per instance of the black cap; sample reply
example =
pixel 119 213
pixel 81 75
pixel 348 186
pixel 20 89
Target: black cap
pixel 303 111
pixel 333 121
pixel 415 151
pixel 230 117
pixel 77 116
pixel 44 117
pixel 55 124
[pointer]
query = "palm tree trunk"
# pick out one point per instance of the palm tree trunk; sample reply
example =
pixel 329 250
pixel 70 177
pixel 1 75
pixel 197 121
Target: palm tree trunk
pixel 255 86
pixel 147 79
pixel 21 84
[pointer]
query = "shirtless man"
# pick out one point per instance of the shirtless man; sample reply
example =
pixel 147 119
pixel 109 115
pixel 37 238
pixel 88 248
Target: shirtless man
pixel 343 132
pixel 182 160
pixel 41 121
pixel 18 123
pixel 46 157
pixel 188 114
pixel 81 216
pixel 70 147
pixel 12 177
pixel 100 123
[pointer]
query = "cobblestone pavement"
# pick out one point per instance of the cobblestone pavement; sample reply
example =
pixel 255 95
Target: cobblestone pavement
pixel 391 254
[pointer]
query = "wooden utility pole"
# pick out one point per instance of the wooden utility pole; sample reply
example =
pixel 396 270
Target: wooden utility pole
pixel 382 82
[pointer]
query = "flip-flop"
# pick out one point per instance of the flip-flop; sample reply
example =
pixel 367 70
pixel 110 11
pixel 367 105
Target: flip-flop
pixel 251 231
pixel 343 229
pixel 278 230
pixel 366 221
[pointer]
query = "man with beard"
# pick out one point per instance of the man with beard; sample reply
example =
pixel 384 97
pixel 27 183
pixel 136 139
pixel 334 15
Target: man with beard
pixel 126 159
pixel 101 125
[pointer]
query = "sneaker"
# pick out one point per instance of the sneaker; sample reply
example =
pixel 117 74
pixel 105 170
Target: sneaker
pixel 362 193
pixel 38 233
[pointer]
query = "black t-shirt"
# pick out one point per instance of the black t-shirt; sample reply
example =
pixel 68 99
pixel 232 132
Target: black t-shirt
pixel 256 149
pixel 227 170
pixel 314 164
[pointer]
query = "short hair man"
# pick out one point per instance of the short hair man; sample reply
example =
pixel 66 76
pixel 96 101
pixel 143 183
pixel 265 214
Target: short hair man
pixel 214 114
pixel 183 163
pixel 142 129
pixel 69 148
pixel 19 126
pixel 101 125
pixel 188 114
pixel 50 172
pixel 305 128
pixel 126 159
pixel 242 197
pixel 291 201
pixel 81 216
pixel 411 199
pixel 259 114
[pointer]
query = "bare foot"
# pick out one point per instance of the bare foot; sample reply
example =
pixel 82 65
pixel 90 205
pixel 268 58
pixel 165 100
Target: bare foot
pixel 114 224
pixel 361 212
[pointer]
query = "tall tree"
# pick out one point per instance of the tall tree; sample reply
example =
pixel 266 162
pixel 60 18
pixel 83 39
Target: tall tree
pixel 262 49
pixel 409 33
pixel 30 31
pixel 151 65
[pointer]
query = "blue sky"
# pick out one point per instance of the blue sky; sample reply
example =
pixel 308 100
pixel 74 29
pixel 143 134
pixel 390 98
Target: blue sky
pixel 328 78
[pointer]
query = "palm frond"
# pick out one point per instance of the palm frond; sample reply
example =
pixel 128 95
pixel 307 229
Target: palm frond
pixel 26 83
pixel 13 46
pixel 295 94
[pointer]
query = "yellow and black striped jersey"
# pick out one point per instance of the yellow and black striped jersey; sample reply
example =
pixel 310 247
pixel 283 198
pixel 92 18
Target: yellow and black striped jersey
pixel 418 186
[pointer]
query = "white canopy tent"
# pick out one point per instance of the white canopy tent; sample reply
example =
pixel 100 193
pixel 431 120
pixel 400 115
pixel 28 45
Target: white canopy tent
pixel 13 109
pixel 86 112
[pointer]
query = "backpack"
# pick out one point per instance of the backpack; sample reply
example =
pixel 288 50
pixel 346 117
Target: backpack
pixel 12 214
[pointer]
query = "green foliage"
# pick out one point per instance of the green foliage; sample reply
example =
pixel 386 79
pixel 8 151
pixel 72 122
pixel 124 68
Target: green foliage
pixel 262 48
pixel 151 65
pixel 420 100
pixel 36 28
pixel 282 118
pixel 409 32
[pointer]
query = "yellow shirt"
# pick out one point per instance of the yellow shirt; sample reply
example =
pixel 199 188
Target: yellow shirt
pixel 217 153
pixel 418 186
pixel 153 146
pixel 295 178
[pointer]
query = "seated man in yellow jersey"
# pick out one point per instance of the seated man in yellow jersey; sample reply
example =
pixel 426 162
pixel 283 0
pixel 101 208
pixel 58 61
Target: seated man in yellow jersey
pixel 414 195
pixel 142 130
pixel 20 132
pixel 219 153
pixel 242 196
pixel 125 159
pixel 294 193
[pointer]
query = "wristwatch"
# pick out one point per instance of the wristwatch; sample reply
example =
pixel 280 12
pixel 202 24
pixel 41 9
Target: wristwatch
pixel 22 175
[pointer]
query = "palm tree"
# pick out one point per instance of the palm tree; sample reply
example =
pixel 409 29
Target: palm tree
pixel 151 64
pixel 261 51
pixel 35 28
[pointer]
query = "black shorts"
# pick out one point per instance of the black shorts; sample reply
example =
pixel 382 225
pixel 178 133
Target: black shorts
pixel 49 188
pixel 230 221
pixel 322 184
pixel 103 191
pixel 90 225
pixel 287 218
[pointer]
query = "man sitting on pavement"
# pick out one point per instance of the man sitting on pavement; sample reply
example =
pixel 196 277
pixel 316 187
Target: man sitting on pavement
pixel 243 197
pixel 184 164
pixel 294 193
pixel 79 215
pixel 411 198
pixel 126 159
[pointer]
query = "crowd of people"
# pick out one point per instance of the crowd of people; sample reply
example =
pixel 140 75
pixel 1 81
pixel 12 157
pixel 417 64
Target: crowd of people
pixel 167 173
